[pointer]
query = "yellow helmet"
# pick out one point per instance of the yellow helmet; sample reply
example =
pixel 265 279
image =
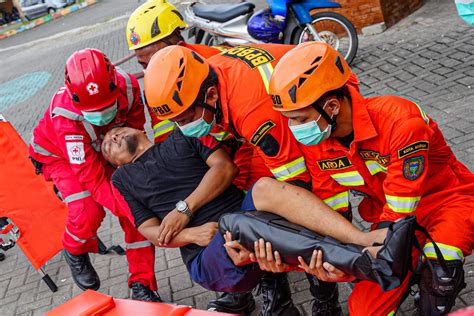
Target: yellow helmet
pixel 151 22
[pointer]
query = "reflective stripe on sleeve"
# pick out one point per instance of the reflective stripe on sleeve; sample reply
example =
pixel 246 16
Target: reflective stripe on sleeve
pixel 338 201
pixel 82 241
pixel 77 196
pixel 351 178
pixel 138 244
pixel 449 252
pixel 221 135
pixel 40 150
pixel 266 71
pixel 163 127
pixel 290 170
pixel 128 83
pixel 401 204
pixel 68 114
pixel 374 167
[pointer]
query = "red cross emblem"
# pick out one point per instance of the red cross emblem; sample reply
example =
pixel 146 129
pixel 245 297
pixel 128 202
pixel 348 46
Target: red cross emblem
pixel 92 88
pixel 76 151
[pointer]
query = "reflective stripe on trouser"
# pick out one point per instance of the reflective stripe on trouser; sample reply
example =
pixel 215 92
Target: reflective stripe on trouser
pixel 449 252
pixel 290 170
pixel 351 178
pixel 374 167
pixel 338 201
pixel 402 204
pixel 84 219
pixel 139 244
pixel 266 71
pixel 163 127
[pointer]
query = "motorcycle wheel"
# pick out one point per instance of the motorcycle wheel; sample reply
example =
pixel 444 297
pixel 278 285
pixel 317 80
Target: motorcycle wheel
pixel 334 29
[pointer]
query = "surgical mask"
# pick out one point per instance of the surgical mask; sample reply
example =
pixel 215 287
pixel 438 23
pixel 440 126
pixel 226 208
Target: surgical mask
pixel 199 127
pixel 310 133
pixel 101 118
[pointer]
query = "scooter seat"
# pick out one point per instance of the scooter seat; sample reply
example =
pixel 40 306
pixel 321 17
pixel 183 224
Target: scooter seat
pixel 222 12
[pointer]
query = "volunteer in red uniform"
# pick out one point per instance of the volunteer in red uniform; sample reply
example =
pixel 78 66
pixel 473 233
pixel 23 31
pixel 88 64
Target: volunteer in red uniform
pixel 228 92
pixel 66 142
pixel 388 150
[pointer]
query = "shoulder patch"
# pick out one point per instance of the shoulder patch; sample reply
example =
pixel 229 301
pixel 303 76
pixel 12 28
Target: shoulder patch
pixel 334 164
pixel 261 131
pixel 74 137
pixel 251 56
pixel 75 151
pixel 413 167
pixel 413 148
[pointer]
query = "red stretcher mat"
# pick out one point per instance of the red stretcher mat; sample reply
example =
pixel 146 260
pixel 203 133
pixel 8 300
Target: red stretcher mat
pixel 92 303
pixel 28 200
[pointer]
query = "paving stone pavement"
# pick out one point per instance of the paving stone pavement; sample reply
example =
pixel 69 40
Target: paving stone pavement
pixel 428 57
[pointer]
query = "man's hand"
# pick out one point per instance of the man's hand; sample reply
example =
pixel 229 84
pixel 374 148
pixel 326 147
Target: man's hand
pixel 172 225
pixel 202 235
pixel 239 255
pixel 324 271
pixel 268 260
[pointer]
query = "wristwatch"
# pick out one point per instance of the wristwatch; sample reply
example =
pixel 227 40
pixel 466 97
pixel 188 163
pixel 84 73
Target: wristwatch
pixel 183 207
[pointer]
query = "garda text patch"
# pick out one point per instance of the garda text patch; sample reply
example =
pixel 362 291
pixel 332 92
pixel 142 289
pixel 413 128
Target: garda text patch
pixel 413 148
pixel 413 167
pixel 251 56
pixel 75 151
pixel 373 155
pixel 334 164
pixel 261 131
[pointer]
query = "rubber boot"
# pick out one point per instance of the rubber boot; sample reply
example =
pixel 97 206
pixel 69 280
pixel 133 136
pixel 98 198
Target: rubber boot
pixel 234 303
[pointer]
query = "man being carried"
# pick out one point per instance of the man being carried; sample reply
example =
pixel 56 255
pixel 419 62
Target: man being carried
pixel 154 179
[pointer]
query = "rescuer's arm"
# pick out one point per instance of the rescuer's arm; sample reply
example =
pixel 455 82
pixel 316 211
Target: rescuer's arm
pixel 406 175
pixel 219 177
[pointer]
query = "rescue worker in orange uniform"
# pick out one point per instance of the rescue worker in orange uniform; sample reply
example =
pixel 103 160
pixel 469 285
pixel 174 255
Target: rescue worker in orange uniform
pixel 228 92
pixel 388 150
pixel 66 147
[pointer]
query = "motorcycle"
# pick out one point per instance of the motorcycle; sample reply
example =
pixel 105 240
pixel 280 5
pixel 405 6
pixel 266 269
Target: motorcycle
pixel 284 21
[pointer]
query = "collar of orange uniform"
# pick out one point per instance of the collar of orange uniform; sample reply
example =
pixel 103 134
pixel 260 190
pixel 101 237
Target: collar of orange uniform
pixel 223 98
pixel 363 127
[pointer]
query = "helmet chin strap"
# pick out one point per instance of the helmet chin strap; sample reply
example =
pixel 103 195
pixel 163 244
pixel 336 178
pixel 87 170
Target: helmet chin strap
pixel 331 121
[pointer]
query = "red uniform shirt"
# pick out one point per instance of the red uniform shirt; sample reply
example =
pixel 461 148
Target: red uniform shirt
pixel 63 134
pixel 399 160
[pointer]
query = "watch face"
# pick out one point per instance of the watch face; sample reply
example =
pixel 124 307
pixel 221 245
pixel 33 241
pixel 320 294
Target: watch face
pixel 181 206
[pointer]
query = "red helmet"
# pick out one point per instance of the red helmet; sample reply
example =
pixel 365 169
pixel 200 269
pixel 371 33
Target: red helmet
pixel 91 80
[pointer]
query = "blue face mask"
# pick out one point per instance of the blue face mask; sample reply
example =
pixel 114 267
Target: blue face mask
pixel 310 133
pixel 198 128
pixel 103 117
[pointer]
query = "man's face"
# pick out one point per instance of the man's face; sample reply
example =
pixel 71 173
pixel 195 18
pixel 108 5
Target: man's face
pixel 144 54
pixel 120 145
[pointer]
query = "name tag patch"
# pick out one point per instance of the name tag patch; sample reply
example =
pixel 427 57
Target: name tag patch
pixel 261 131
pixel 251 56
pixel 413 148
pixel 373 155
pixel 334 164
pixel 75 151
pixel 74 137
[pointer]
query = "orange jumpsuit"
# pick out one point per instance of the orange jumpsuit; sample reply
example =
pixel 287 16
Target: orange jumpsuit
pixel 400 162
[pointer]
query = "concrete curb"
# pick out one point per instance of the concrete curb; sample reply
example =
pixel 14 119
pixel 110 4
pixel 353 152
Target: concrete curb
pixel 47 18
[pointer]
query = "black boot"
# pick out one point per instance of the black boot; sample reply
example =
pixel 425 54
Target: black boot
pixel 83 273
pixel 277 296
pixel 2 256
pixel 141 292
pixel 235 303
pixel 326 297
